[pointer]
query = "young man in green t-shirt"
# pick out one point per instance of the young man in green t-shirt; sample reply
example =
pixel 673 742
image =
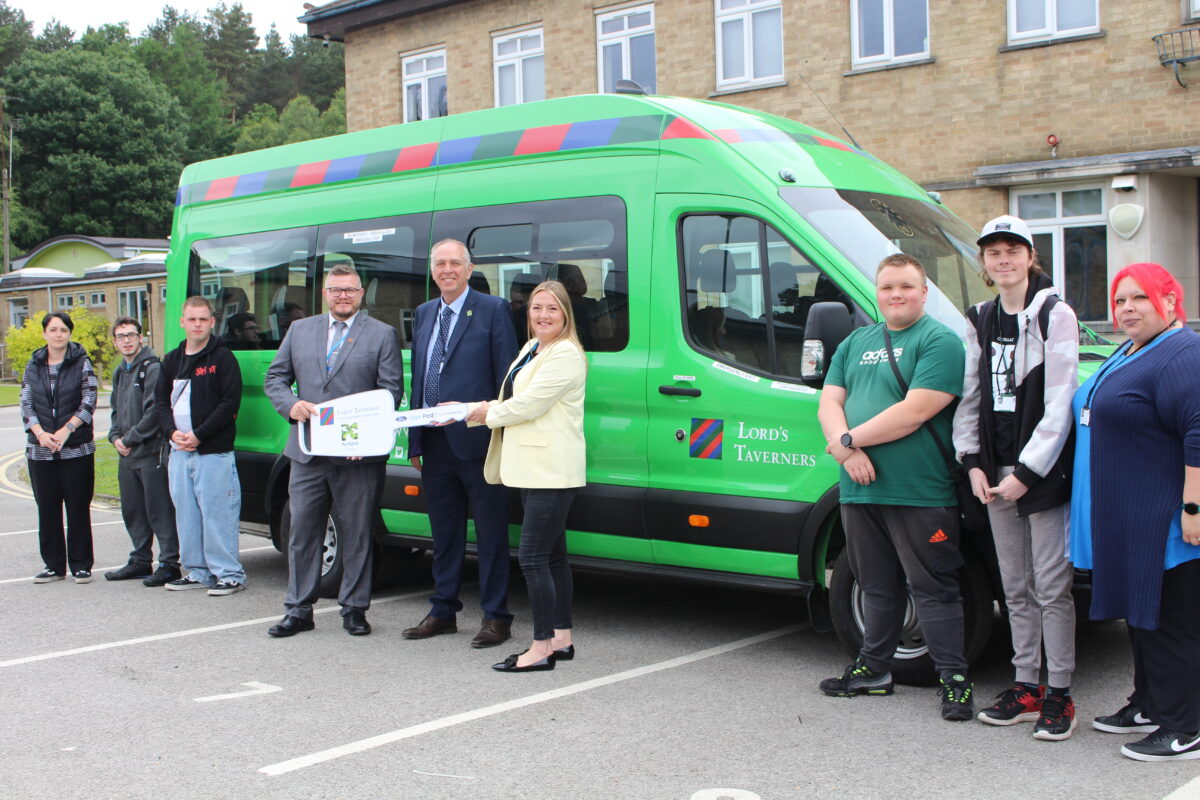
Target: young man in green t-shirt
pixel 898 503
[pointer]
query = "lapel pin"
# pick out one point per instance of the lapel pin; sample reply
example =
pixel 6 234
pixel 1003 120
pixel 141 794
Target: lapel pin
pixel 470 311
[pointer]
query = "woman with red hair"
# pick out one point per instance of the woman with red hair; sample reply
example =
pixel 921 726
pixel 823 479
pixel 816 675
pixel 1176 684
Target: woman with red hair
pixel 1135 509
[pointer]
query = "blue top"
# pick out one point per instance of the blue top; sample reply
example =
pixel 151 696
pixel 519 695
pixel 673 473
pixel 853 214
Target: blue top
pixel 1144 427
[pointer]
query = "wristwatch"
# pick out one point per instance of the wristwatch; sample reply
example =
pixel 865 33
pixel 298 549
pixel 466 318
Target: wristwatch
pixel 71 427
pixel 847 440
pixel 1191 508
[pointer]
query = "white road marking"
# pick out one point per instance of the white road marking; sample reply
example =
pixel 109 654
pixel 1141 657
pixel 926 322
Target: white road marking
pixel 382 739
pixel 159 637
pixel 1189 791
pixel 444 775
pixel 255 688
pixel 35 530
pixel 97 570
pixel 725 794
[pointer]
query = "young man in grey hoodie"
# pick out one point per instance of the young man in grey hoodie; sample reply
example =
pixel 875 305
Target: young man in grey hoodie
pixel 137 437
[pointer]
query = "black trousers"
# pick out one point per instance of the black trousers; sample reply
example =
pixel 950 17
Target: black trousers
pixel 69 483
pixel 1166 661
pixel 543 557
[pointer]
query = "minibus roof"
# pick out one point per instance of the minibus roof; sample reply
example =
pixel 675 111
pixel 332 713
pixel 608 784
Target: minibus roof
pixel 604 124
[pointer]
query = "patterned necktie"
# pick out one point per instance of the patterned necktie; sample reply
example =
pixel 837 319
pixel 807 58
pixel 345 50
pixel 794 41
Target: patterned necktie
pixel 339 336
pixel 433 379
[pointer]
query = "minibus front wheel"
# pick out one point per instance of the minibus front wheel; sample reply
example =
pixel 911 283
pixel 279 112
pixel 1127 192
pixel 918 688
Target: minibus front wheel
pixel 912 663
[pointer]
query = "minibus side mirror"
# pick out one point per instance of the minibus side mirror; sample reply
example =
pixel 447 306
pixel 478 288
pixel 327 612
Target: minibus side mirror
pixel 827 326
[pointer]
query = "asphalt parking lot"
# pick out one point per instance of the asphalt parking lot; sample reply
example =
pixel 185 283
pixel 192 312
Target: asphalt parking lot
pixel 678 691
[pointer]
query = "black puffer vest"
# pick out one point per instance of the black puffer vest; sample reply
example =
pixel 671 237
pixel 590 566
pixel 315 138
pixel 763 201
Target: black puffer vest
pixel 53 409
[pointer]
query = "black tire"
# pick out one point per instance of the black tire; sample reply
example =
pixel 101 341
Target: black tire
pixel 912 663
pixel 331 559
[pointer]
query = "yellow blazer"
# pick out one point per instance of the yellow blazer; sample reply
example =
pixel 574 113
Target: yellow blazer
pixel 543 445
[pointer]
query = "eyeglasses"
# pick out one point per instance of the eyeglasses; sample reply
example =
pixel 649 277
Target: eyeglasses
pixel 334 291
pixel 125 336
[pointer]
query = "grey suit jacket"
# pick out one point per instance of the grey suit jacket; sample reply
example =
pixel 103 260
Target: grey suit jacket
pixel 369 359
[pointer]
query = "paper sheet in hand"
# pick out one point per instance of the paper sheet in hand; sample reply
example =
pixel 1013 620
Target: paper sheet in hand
pixel 365 424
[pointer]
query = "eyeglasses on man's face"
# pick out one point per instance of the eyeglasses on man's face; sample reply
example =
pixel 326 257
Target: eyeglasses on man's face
pixel 124 337
pixel 336 291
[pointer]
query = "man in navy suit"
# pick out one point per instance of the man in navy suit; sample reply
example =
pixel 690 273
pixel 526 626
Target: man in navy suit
pixel 463 343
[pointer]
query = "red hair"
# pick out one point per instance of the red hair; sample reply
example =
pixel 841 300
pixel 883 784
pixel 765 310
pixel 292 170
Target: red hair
pixel 1156 282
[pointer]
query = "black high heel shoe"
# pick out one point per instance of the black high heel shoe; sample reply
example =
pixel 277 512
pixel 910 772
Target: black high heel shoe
pixel 510 664
pixel 564 653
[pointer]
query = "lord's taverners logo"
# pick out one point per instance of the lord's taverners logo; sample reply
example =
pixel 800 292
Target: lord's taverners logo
pixel 707 435
pixel 327 416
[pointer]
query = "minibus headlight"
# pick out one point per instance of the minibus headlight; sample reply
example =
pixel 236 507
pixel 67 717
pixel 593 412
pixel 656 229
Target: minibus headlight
pixel 812 360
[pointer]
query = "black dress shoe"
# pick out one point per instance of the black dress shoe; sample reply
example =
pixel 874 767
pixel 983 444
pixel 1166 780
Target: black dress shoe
pixel 290 626
pixel 355 623
pixel 430 626
pixel 492 633
pixel 510 664
pixel 564 653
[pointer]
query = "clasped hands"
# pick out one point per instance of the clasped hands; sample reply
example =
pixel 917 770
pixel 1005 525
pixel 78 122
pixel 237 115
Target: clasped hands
pixel 1010 488
pixel 854 460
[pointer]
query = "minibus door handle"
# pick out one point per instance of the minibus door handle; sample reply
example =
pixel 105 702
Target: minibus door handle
pixel 679 391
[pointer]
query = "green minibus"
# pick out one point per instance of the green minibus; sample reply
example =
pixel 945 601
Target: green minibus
pixel 715 257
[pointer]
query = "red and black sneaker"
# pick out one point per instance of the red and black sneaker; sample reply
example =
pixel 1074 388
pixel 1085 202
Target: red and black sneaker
pixel 1014 705
pixel 1057 721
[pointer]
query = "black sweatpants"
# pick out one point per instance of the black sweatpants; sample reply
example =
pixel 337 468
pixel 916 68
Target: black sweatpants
pixel 890 546
pixel 1166 661
pixel 66 482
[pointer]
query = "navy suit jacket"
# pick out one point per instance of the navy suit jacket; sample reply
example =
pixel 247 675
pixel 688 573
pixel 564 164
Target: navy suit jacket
pixel 481 347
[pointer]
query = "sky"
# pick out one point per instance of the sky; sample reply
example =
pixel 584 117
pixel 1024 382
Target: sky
pixel 79 14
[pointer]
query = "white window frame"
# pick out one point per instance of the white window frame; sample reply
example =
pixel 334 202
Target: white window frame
pixel 517 61
pixel 129 303
pixel 97 299
pixel 1192 10
pixel 65 302
pixel 1058 223
pixel 162 294
pixel 422 78
pixel 623 39
pixel 745 10
pixel 888 55
pixel 18 307
pixel 1051 30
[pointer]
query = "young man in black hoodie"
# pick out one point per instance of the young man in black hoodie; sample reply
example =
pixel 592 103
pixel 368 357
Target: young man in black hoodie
pixel 197 402
pixel 138 438
pixel 1012 432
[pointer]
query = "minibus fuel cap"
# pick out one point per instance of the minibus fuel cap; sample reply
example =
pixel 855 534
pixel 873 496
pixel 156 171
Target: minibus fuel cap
pixel 787 176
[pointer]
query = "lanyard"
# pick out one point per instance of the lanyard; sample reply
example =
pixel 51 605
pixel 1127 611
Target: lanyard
pixel 1118 359
pixel 337 345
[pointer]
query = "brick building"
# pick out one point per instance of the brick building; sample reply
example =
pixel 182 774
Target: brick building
pixel 1068 113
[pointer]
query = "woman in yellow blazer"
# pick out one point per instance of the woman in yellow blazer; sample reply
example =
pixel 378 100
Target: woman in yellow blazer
pixel 538 446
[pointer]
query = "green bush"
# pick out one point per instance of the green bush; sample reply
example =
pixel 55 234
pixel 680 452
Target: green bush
pixel 91 331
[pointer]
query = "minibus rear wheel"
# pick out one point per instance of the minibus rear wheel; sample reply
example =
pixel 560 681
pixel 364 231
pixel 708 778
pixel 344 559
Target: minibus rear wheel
pixel 912 663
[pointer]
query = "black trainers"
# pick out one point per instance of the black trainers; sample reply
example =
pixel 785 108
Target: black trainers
pixel 163 575
pixel 185 583
pixel 1057 721
pixel 82 576
pixel 47 576
pixel 858 679
pixel 957 702
pixel 1129 719
pixel 129 572
pixel 224 587
pixel 1014 705
pixel 1164 745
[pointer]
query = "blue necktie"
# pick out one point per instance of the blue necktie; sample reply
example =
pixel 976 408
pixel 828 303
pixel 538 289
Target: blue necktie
pixel 339 336
pixel 433 380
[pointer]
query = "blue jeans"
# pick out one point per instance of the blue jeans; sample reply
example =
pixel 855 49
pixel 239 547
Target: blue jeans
pixel 208 503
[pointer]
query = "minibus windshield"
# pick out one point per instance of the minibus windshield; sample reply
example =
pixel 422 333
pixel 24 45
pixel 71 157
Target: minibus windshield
pixel 865 227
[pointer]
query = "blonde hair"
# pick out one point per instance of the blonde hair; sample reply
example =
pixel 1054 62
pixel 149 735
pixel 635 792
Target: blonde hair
pixel 559 292
pixel 901 260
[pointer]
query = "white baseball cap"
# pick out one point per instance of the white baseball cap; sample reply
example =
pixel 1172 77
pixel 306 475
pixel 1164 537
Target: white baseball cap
pixel 1006 226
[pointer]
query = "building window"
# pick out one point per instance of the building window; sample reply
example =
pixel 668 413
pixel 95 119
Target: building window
pixel 133 303
pixel 520 72
pixel 1194 11
pixel 1049 19
pixel 424 86
pixel 889 30
pixel 66 302
pixel 625 45
pixel 749 42
pixel 1071 236
pixel 97 299
pixel 18 312
pixel 162 294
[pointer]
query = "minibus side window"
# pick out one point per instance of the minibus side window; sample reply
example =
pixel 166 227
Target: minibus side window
pixel 579 241
pixel 256 283
pixel 747 291
pixel 391 256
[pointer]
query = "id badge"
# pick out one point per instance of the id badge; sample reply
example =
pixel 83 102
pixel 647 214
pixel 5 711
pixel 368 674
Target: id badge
pixel 1085 416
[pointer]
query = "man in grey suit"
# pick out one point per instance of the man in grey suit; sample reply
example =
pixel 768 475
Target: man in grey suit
pixel 328 356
